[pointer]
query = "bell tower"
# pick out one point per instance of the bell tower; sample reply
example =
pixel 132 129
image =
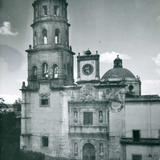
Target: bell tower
pixel 51 58
pixel 50 69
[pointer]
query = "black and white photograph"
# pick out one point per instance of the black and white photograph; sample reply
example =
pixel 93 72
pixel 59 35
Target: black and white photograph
pixel 79 79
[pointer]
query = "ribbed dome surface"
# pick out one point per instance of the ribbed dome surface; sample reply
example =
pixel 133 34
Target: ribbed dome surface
pixel 118 72
pixel 121 73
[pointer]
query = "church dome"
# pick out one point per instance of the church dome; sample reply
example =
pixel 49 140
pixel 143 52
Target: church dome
pixel 118 72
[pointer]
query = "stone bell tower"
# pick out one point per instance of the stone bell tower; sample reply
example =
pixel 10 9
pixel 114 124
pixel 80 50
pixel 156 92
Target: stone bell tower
pixel 51 58
pixel 50 70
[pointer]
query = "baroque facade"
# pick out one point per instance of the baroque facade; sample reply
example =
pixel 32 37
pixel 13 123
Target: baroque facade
pixel 93 119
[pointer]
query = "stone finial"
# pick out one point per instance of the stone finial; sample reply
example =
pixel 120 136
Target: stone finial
pixel 70 48
pixel 30 46
pixel 23 85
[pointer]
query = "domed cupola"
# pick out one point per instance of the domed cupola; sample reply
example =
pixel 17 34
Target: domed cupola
pixel 118 73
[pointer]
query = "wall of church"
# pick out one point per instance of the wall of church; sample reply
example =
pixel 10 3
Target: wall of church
pixel 142 129
pixel 143 116
pixel 146 152
pixel 116 131
pixel 47 121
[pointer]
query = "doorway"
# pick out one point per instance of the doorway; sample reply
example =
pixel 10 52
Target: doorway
pixel 89 152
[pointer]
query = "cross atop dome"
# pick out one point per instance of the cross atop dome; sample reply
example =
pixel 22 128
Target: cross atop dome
pixel 118 62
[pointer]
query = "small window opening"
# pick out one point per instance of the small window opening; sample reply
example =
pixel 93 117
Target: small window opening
pixel 45 70
pixel 56 10
pixel 34 72
pixel 44 33
pixel 57 36
pixel 136 135
pixel 136 157
pixel 44 101
pixel 131 88
pixel 55 71
pixel 101 148
pixel 45 10
pixel 45 141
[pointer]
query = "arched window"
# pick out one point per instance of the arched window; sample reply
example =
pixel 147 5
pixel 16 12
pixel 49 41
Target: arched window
pixel 45 10
pixel 57 36
pixel 130 88
pixel 35 38
pixel 101 148
pixel 34 72
pixel 44 34
pixel 45 70
pixel 56 10
pixel 55 71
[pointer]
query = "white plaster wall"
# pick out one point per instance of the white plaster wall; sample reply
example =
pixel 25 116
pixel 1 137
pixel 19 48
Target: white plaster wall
pixel 143 116
pixel 144 151
pixel 49 121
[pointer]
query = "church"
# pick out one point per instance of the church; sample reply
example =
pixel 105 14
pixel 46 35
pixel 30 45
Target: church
pixel 94 118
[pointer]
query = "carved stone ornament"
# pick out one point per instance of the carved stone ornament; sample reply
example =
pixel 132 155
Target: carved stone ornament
pixel 116 106
pixel 86 93
pixel 116 98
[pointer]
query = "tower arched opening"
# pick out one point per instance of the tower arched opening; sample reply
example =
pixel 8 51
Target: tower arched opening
pixel 57 36
pixel 45 38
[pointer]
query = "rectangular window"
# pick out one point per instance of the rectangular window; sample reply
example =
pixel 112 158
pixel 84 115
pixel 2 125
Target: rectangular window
pixel 136 135
pixel 56 10
pixel 44 101
pixel 45 10
pixel 88 118
pixel 45 141
pixel 136 157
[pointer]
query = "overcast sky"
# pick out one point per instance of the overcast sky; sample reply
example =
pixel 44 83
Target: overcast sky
pixel 130 28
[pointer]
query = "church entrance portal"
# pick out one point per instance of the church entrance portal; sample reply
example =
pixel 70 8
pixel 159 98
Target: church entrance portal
pixel 88 152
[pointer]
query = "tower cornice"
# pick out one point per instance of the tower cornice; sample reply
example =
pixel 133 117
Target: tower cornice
pixel 38 1
pixel 58 48
pixel 50 19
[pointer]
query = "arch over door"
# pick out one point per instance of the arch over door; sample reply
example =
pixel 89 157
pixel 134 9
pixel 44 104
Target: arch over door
pixel 89 152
